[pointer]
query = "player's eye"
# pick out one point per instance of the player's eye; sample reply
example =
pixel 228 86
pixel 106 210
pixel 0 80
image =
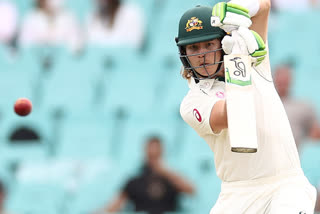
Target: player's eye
pixel 193 48
pixel 210 45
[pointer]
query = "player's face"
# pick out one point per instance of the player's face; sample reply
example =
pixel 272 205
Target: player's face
pixel 204 56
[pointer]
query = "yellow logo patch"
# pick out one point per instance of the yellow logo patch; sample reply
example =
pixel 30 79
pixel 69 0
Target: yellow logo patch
pixel 194 24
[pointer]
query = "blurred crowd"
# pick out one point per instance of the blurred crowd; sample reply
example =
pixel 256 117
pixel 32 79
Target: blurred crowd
pixel 108 23
pixel 49 22
pixel 293 5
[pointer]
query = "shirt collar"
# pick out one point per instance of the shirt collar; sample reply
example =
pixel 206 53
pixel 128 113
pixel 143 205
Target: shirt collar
pixel 205 84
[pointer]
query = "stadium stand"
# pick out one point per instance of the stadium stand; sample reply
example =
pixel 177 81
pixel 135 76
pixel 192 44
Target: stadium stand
pixel 94 110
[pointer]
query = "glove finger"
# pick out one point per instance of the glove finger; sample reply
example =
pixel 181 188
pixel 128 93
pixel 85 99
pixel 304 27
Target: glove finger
pixel 240 46
pixel 259 40
pixel 219 10
pixel 249 39
pixel 237 9
pixel 236 19
pixel 227 44
pixel 258 60
pixel 229 28
pixel 259 53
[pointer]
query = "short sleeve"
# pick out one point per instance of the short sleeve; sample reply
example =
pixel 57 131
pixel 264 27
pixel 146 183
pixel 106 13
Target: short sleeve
pixel 195 110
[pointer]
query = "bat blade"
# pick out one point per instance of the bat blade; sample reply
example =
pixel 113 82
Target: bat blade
pixel 240 104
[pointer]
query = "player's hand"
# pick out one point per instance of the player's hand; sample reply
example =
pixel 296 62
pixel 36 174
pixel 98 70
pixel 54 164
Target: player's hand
pixel 246 42
pixel 230 16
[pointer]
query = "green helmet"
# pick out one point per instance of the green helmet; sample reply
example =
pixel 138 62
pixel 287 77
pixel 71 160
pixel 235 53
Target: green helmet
pixel 195 26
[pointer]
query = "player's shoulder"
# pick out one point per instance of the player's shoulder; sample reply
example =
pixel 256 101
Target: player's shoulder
pixel 195 110
pixel 191 101
pixel 192 97
pixel 201 94
pixel 188 101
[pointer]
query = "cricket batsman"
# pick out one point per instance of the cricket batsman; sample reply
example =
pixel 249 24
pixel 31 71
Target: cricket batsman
pixel 270 179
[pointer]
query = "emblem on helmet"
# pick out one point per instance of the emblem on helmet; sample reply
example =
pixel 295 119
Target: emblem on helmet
pixel 194 24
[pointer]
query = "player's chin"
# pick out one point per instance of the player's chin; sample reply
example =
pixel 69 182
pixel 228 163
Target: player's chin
pixel 208 70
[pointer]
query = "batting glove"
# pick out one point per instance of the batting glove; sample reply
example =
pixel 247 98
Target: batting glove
pixel 230 16
pixel 246 42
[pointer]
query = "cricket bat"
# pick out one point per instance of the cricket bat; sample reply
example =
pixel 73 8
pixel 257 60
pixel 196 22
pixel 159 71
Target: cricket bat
pixel 240 104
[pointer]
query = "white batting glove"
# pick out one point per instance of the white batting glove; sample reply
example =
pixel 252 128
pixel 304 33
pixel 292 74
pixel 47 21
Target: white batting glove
pixel 246 42
pixel 230 16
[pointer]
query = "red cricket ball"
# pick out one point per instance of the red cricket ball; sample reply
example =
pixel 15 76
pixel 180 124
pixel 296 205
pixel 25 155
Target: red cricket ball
pixel 23 106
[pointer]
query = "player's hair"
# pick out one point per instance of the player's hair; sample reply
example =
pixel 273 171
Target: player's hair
pixel 185 73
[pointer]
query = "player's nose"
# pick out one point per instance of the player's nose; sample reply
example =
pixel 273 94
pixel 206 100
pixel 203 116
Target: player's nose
pixel 202 51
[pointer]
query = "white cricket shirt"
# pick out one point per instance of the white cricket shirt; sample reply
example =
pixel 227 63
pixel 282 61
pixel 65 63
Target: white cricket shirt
pixel 277 152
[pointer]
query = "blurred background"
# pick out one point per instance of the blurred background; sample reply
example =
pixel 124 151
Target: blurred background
pixel 103 77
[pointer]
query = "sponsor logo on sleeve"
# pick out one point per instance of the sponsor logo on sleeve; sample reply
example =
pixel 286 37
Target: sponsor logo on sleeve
pixel 220 94
pixel 197 115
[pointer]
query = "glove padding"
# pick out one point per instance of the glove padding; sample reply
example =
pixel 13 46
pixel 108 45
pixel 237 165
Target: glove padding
pixel 246 42
pixel 229 16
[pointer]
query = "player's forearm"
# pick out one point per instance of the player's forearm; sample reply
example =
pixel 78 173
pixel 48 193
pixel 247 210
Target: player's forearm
pixel 219 117
pixel 264 7
pixel 260 20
